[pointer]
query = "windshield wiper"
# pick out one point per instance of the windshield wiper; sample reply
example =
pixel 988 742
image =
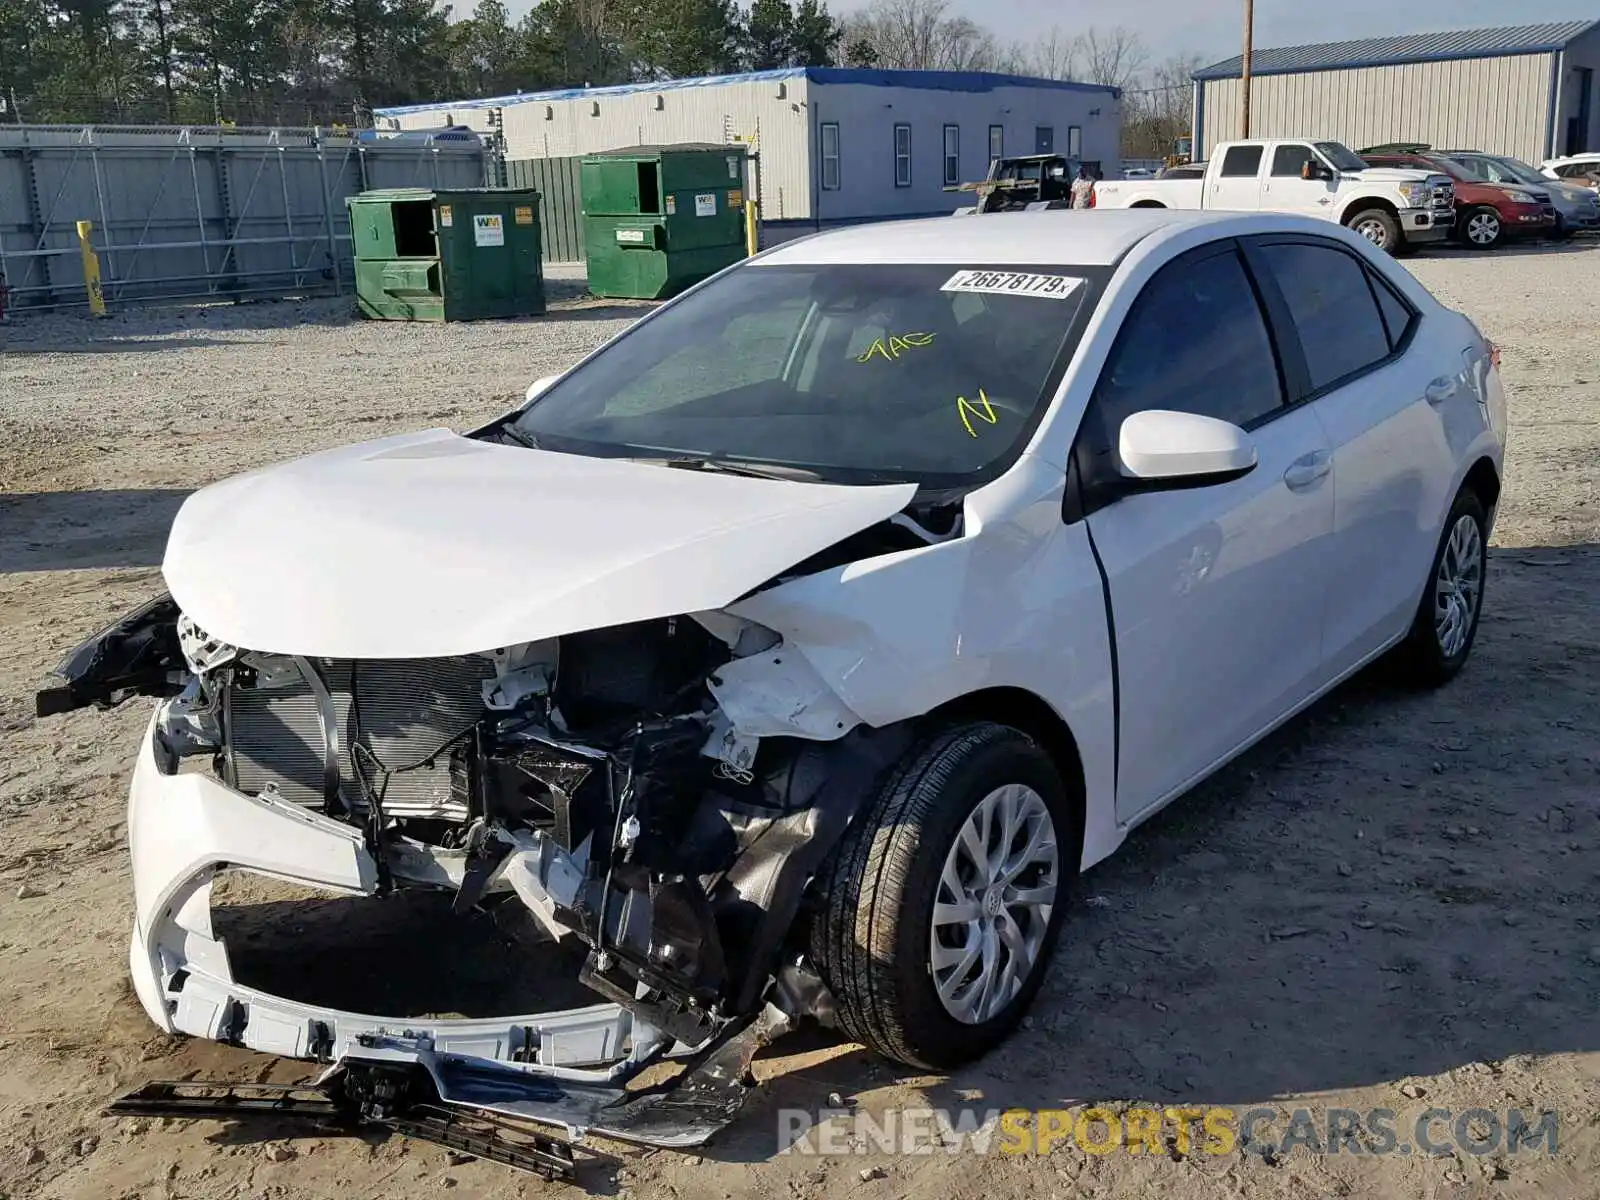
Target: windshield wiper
pixel 730 466
pixel 526 440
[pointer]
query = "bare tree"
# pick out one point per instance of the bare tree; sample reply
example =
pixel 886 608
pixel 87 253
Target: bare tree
pixel 918 35
pixel 1114 57
pixel 1158 110
pixel 1052 55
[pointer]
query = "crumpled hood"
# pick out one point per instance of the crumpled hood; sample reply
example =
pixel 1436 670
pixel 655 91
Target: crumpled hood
pixel 431 544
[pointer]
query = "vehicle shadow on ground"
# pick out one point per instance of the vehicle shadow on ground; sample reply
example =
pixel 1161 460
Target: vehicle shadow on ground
pixel 62 531
pixel 1396 884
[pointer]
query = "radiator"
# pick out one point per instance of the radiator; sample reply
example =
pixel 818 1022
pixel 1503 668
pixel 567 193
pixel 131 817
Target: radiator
pixel 404 716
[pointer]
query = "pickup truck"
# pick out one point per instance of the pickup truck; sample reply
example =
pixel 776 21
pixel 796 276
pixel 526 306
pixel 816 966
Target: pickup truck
pixel 1395 209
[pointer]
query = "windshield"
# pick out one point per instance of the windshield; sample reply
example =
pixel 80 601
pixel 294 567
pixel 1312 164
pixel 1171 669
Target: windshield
pixel 1499 170
pixel 1340 157
pixel 855 373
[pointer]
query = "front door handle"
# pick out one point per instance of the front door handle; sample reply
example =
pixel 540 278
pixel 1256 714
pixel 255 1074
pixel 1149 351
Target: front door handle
pixel 1442 388
pixel 1305 471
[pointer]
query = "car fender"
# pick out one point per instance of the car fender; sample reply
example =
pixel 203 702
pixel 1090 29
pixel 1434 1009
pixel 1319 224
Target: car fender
pixel 1015 602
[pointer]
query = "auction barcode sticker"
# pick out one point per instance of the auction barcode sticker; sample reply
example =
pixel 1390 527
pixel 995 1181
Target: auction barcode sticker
pixel 1013 283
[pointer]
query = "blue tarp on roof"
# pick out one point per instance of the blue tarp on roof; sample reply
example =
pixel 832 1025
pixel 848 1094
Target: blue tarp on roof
pixel 942 81
pixel 1411 48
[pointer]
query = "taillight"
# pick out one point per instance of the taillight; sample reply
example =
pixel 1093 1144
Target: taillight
pixel 1494 356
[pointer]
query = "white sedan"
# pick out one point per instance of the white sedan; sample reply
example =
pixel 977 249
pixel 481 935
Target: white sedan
pixel 794 652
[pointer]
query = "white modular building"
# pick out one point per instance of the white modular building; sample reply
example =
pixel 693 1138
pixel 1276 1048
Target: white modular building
pixel 1527 91
pixel 836 144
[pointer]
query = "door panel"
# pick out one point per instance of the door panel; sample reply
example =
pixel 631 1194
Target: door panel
pixel 1285 191
pixel 1216 591
pixel 1217 594
pixel 1236 186
pixel 1370 371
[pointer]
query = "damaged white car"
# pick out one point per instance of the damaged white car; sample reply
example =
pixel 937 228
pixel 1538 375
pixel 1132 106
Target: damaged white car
pixel 792 654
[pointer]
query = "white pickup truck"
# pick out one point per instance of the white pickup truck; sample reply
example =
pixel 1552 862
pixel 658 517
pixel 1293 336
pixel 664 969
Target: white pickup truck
pixel 1394 209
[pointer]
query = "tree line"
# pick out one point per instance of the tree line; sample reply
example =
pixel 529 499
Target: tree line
pixel 303 62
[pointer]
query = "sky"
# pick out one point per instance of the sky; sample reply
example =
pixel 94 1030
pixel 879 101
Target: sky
pixel 1214 28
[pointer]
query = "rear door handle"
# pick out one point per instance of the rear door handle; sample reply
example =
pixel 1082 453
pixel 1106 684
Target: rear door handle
pixel 1305 471
pixel 1442 388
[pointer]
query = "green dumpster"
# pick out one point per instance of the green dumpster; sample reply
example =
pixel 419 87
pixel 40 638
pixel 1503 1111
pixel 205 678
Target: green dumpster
pixel 423 255
pixel 657 219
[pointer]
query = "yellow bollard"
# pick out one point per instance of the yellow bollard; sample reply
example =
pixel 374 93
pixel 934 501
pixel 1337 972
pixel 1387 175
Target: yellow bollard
pixel 91 269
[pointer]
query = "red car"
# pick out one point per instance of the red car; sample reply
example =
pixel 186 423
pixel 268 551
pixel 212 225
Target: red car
pixel 1486 213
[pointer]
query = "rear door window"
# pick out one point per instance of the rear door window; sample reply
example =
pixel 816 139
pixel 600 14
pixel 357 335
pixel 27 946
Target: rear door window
pixel 1241 162
pixel 1341 328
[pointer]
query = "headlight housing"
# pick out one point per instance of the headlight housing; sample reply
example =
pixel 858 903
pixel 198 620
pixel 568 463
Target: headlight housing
pixel 1520 196
pixel 1416 195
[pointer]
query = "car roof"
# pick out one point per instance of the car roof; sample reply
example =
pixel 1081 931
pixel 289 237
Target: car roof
pixel 1095 238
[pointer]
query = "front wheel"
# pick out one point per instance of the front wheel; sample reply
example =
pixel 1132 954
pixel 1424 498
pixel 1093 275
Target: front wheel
pixel 1378 226
pixel 939 912
pixel 1446 623
pixel 1482 229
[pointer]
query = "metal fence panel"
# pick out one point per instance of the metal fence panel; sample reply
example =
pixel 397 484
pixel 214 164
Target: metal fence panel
pixel 198 212
pixel 560 203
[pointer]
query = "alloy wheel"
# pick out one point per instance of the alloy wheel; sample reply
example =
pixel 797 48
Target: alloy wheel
pixel 1458 586
pixel 1483 229
pixel 991 913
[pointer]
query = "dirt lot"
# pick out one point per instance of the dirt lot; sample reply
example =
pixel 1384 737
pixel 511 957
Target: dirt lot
pixel 1392 903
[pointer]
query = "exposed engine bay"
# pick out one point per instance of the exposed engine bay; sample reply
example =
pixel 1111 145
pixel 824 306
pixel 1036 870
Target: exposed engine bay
pixel 659 793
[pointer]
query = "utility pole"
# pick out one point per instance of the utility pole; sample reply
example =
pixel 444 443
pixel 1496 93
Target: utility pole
pixel 1249 46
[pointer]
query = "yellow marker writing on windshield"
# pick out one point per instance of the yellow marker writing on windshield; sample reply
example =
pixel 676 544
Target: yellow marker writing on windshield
pixel 968 410
pixel 895 346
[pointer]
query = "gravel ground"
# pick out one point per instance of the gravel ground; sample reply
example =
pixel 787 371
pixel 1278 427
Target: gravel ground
pixel 1390 903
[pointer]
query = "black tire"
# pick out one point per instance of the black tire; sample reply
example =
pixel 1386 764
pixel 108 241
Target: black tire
pixel 1562 232
pixel 1482 229
pixel 1378 226
pixel 1422 659
pixel 872 938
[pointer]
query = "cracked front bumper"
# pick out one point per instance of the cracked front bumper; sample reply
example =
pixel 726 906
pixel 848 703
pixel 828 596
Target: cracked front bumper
pixel 184 829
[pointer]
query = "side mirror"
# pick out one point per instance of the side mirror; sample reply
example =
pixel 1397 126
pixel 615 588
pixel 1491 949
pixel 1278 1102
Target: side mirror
pixel 1164 449
pixel 539 385
pixel 1314 170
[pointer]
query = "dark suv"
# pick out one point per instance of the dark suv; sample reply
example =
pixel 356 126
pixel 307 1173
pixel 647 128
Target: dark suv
pixel 1486 213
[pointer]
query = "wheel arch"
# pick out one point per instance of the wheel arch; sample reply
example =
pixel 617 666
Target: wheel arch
pixel 1361 204
pixel 1025 711
pixel 1147 204
pixel 1484 480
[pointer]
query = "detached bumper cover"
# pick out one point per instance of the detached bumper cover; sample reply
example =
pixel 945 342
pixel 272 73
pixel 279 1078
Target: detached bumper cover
pixel 183 829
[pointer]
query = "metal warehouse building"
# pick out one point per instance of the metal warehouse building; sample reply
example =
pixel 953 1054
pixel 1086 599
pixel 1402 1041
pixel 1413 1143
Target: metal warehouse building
pixel 1525 91
pixel 836 144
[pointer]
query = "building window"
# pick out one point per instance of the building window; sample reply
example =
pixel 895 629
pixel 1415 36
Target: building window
pixel 830 156
pixel 952 155
pixel 902 156
pixel 1074 141
pixel 997 142
pixel 1044 139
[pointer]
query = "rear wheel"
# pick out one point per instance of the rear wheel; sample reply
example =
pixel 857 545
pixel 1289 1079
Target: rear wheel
pixel 1482 229
pixel 1446 623
pixel 940 910
pixel 1378 226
